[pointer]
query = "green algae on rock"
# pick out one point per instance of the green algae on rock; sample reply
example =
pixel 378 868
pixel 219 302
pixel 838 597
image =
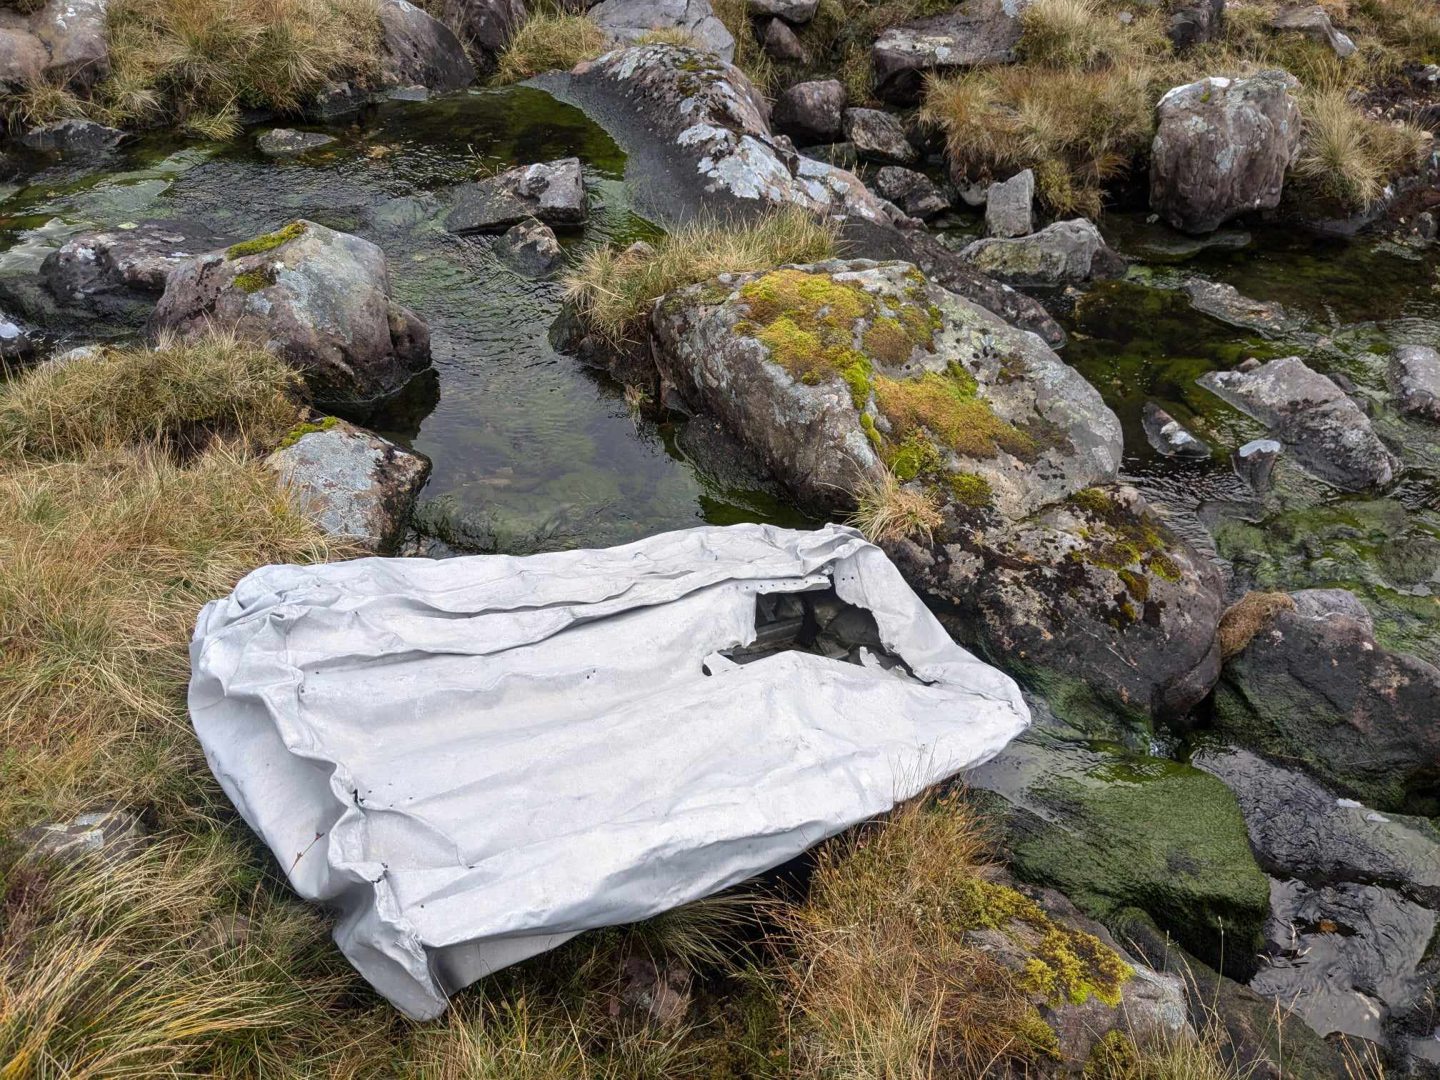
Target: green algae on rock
pixel 267 242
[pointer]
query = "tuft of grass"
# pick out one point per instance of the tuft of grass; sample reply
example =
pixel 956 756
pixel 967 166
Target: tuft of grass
pixel 1184 1055
pixel 1348 157
pixel 178 393
pixel 549 42
pixel 1071 34
pixel 614 288
pixel 1246 617
pixel 750 56
pixel 1077 129
pixel 887 510
pixel 199 62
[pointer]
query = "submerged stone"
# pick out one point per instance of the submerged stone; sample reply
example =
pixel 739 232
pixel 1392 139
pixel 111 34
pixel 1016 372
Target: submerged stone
pixel 1224 302
pixel 1170 437
pixel 287 142
pixel 1414 377
pixel 530 248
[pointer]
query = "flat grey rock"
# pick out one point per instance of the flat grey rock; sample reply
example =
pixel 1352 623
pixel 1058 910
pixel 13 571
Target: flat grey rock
pixel 552 192
pixel 1009 206
pixel 914 192
pixel 1414 376
pixel 1064 253
pixel 626 21
pixel 287 142
pixel 878 136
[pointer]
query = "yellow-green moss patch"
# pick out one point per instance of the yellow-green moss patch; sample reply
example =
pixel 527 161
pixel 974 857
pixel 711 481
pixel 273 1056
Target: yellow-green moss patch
pixel 299 431
pixel 949 408
pixel 972 490
pixel 1123 541
pixel 252 281
pixel 268 242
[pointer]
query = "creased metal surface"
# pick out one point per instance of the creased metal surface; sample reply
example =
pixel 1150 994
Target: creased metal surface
pixel 474 759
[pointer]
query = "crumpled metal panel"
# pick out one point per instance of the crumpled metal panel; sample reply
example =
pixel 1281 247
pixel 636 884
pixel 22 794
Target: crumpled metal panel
pixel 474 759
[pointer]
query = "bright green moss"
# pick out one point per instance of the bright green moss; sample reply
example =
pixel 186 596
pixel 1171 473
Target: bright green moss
pixel 1113 1057
pixel 252 281
pixel 914 456
pixel 299 431
pixel 269 242
pixel 947 406
pixel 1123 541
pixel 972 490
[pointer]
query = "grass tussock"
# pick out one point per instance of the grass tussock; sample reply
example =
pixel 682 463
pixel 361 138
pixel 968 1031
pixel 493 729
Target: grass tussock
pixel 614 288
pixel 549 42
pixel 1084 34
pixel 178 393
pixel 1077 129
pixel 200 62
pixel 887 510
pixel 1348 157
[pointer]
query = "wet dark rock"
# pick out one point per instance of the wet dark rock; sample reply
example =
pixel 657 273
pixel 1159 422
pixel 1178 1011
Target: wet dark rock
pixel 417 49
pixel 1255 463
pixel 796 12
pixel 1328 433
pixel 1414 377
pixel 553 192
pixel 317 297
pixel 1170 437
pixel 486 24
pixel 1221 149
pixel 914 192
pixel 15 343
pixel 1311 21
pixel 972 34
pixel 108 836
pixel 629 20
pixel 1009 206
pixel 878 136
pixel 1113 831
pixel 530 248
pixel 782 45
pixel 358 486
pixel 78 138
pixel 1224 302
pixel 74 33
pixel 1194 22
pixel 287 142
pixel 23 58
pixel 1314 687
pixel 1065 253
pixel 810 112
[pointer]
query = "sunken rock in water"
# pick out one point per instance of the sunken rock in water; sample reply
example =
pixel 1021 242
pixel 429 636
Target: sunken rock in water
pixel 417 49
pixel 1226 303
pixel 971 34
pixel 1414 376
pixel 914 192
pixel 1255 463
pixel 73 137
pixel 1065 253
pixel 552 192
pixel 811 112
pixel 530 248
pixel 1009 209
pixel 1329 434
pixel 1314 687
pixel 629 20
pixel 781 43
pixel 1312 21
pixel 287 142
pixel 486 24
pixel 1222 147
pixel 317 297
pixel 358 486
pixel 1170 437
pixel 878 136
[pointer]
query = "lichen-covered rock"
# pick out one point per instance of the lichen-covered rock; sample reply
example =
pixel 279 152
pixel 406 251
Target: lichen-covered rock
pixel 834 371
pixel 317 297
pixel 358 486
pixel 73 138
pixel 971 34
pixel 106 836
pixel 1065 253
pixel 781 44
pixel 417 49
pixel 914 192
pixel 878 136
pixel 486 24
pixel 1114 830
pixel 551 192
pixel 1221 149
pixel 1194 22
pixel 1226 303
pixel 287 142
pixel 530 248
pixel 1009 206
pixel 1330 435
pixel 74 33
pixel 1314 687
pixel 1310 20
pixel 1414 377
pixel 811 112
pixel 629 20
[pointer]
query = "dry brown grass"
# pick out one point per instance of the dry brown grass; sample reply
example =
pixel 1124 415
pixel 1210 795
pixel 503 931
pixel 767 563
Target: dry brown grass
pixel 887 510
pixel 1246 617
pixel 1088 34
pixel 1348 157
pixel 549 42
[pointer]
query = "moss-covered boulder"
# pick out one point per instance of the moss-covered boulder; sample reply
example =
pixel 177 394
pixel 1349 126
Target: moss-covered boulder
pixel 1113 830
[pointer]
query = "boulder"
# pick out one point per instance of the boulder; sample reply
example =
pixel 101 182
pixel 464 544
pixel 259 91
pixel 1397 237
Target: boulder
pixel 74 33
pixel 914 192
pixel 358 486
pixel 1255 463
pixel 287 142
pixel 1194 22
pixel 106 836
pixel 878 136
pixel 781 44
pixel 530 248
pixel 1168 437
pixel 552 192
pixel 796 12
pixel 1312 686
pixel 629 20
pixel 15 343
pixel 1414 376
pixel 73 138
pixel 417 49
pixel 1225 302
pixel 971 34
pixel 23 59
pixel 1009 206
pixel 486 24
pixel 1221 149
pixel 1311 21
pixel 1328 433
pixel 1065 253
pixel 317 297
pixel 810 112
